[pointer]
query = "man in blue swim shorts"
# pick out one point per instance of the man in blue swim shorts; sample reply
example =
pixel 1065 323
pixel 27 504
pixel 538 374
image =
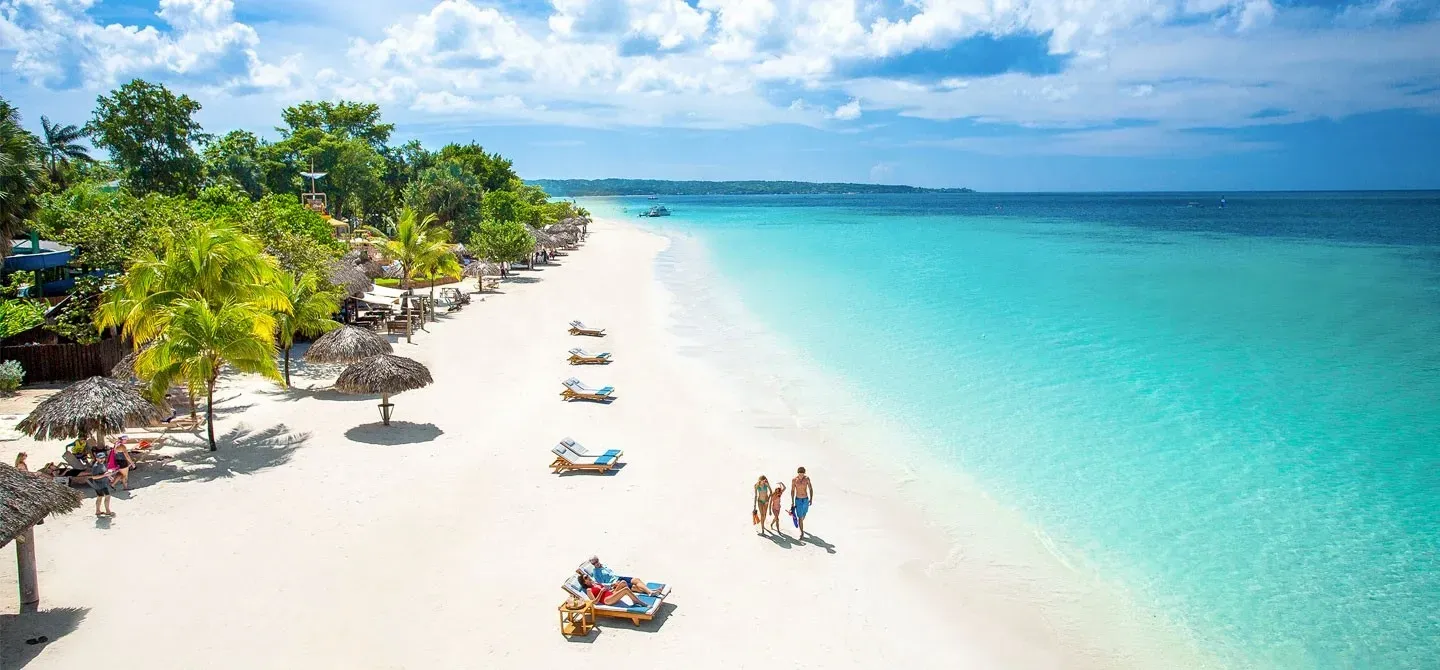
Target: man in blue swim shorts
pixel 802 493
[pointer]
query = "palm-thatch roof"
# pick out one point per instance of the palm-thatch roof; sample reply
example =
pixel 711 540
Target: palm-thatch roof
pixel 386 374
pixel 97 404
pixel 26 500
pixel 350 277
pixel 125 369
pixel 363 261
pixel 347 344
pixel 481 269
pixel 542 238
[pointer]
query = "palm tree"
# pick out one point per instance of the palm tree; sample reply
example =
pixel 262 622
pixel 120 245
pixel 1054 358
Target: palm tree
pixel 310 311
pixel 201 339
pixel 214 261
pixel 439 261
pixel 20 173
pixel 214 266
pixel 414 242
pixel 62 146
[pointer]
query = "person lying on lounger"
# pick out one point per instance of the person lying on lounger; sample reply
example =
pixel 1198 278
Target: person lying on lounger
pixel 609 595
pixel 605 576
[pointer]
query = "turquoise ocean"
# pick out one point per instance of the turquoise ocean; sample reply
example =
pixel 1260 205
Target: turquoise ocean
pixel 1235 411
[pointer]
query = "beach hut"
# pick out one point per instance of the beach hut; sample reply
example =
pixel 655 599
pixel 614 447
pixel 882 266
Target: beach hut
pixel 385 375
pixel 90 408
pixel 347 344
pixel 25 500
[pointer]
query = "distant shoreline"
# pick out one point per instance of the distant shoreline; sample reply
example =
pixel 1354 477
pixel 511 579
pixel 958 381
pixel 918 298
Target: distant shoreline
pixel 580 188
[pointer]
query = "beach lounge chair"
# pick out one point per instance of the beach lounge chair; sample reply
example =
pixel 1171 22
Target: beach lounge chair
pixel 578 328
pixel 585 568
pixel 575 390
pixel 581 357
pixel 649 605
pixel 565 459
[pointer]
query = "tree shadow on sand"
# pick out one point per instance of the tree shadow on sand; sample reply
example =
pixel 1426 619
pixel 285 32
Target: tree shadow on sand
pixel 398 432
pixel 242 452
pixel 15 629
pixel 522 280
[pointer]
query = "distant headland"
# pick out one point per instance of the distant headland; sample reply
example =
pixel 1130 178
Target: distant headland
pixel 596 187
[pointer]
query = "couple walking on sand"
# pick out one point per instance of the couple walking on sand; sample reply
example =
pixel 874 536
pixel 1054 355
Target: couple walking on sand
pixel 767 500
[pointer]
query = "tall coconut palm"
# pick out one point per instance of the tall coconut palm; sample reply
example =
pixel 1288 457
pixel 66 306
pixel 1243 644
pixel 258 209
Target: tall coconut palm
pixel 200 339
pixel 310 311
pixel 62 145
pixel 414 241
pixel 438 261
pixel 20 176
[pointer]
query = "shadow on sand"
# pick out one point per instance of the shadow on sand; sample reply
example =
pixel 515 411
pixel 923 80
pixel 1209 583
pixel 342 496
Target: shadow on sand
pixel 15 629
pixel 242 451
pixel 398 432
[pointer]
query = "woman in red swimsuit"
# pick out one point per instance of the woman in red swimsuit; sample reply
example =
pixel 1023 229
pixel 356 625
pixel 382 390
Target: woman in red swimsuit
pixel 609 595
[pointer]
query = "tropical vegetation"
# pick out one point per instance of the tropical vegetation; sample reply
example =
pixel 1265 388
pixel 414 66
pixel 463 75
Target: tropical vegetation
pixel 196 246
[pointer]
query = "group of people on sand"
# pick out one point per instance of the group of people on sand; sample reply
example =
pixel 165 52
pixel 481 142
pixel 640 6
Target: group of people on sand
pixel 102 468
pixel 767 502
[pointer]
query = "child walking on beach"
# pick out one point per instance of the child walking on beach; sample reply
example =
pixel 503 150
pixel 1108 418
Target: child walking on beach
pixel 775 507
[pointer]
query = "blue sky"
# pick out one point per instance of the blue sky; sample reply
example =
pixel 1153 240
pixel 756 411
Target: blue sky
pixel 992 94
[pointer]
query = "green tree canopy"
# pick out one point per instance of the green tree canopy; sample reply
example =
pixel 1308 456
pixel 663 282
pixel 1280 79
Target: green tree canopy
pixel 150 132
pixel 240 157
pixel 494 171
pixel 451 194
pixel 503 242
pixel 357 120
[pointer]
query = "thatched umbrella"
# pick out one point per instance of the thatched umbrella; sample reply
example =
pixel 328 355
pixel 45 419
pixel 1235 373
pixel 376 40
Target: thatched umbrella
pixel 541 237
pixel 25 500
pixel 479 270
pixel 90 407
pixel 347 344
pixel 387 375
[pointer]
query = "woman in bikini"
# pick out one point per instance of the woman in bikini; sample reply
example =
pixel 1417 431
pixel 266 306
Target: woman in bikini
pixel 762 500
pixel 609 595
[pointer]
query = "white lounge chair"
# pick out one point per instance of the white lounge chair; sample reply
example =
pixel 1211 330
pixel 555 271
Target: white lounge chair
pixel 566 459
pixel 578 328
pixel 575 390
pixel 579 356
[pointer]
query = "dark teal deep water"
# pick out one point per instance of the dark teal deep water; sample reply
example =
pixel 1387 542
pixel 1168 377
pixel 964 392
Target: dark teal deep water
pixel 1235 411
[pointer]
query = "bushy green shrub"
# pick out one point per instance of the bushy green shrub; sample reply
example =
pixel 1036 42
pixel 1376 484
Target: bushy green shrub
pixel 11 375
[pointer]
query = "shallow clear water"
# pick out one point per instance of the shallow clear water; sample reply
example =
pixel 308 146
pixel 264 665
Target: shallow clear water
pixel 1235 411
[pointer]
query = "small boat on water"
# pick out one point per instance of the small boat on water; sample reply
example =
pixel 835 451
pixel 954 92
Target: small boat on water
pixel 657 210
pixel 652 197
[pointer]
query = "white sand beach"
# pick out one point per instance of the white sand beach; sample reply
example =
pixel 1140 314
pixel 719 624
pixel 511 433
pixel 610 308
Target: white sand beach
pixel 317 538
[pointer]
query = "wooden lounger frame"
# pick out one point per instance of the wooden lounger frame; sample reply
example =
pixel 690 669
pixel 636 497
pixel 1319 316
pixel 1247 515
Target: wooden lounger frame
pixel 577 359
pixel 560 465
pixel 591 332
pixel 569 395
